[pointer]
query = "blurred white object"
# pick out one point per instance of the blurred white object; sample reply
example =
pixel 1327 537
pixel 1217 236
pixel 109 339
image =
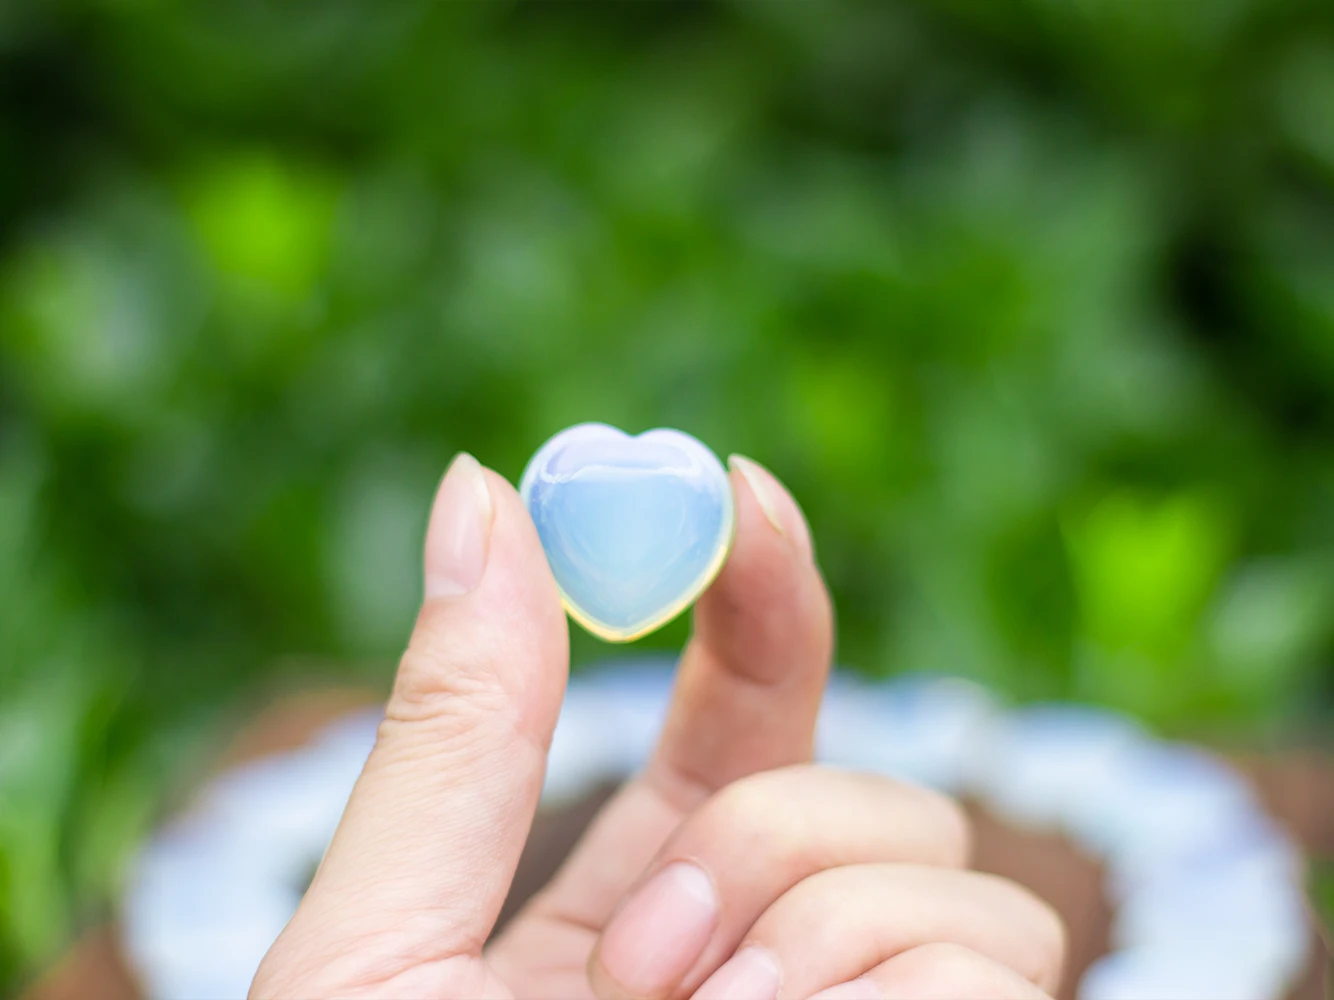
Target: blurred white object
pixel 1048 766
pixel 1165 797
pixel 208 896
pixel 1207 888
pixel 1253 843
pixel 919 729
pixel 1244 918
pixel 1168 973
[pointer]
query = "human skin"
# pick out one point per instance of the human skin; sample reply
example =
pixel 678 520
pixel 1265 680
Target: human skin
pixel 731 867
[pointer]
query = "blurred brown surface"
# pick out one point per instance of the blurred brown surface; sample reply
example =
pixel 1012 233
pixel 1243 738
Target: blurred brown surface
pixel 1299 789
pixel 92 970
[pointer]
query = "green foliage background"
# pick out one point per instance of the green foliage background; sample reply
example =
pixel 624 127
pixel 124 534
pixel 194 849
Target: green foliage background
pixel 1031 303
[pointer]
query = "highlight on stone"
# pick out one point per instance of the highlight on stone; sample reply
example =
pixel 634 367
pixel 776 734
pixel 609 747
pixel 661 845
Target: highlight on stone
pixel 634 528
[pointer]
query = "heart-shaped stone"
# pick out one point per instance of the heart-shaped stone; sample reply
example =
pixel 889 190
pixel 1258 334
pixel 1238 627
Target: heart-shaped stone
pixel 634 528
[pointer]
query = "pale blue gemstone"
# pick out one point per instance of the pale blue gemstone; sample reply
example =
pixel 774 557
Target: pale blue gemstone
pixel 634 528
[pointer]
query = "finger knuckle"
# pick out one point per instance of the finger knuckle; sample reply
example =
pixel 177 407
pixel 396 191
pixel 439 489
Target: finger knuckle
pixel 1047 938
pixel 1051 941
pixel 767 819
pixel 943 831
pixel 432 686
pixel 950 828
pixel 814 911
pixel 786 817
pixel 947 969
pixel 752 813
pixel 945 961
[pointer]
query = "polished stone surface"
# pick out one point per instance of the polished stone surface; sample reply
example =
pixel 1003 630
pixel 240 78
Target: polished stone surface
pixel 634 528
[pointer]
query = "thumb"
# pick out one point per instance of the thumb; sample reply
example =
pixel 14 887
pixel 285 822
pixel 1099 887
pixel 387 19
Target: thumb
pixel 430 838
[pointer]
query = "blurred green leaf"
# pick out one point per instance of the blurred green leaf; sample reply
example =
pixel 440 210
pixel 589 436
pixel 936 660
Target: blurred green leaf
pixel 264 223
pixel 1144 569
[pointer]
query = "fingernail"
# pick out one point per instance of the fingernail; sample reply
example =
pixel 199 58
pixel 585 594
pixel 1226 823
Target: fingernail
pixel 777 504
pixel 460 530
pixel 752 973
pixel 863 988
pixel 658 935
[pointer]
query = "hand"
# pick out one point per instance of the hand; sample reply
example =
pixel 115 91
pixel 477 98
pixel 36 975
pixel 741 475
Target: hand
pixel 730 868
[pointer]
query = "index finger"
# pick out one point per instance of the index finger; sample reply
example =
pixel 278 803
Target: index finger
pixel 750 681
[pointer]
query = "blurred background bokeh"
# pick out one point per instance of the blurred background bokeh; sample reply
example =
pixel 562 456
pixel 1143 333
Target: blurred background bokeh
pixel 1031 303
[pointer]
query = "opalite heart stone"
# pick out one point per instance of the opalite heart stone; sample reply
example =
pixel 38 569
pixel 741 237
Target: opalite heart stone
pixel 634 528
